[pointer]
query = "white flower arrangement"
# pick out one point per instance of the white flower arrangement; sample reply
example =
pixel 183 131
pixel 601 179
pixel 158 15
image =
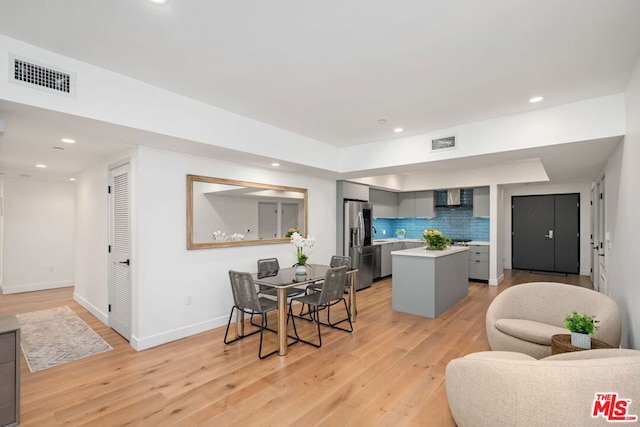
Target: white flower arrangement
pixel 304 247
pixel 221 236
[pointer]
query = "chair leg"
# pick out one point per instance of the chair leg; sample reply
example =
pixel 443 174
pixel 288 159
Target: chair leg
pixel 315 318
pixel 239 337
pixel 335 324
pixel 263 324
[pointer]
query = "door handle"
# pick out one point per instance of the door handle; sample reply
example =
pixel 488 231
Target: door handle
pixel 550 235
pixel 124 262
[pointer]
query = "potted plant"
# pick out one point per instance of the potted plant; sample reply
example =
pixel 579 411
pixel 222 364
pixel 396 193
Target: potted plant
pixel 435 241
pixel 582 327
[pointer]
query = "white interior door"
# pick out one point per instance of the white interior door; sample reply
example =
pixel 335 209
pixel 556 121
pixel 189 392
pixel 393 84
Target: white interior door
pixel 119 253
pixel 289 218
pixel 602 268
pixel 592 242
pixel 267 220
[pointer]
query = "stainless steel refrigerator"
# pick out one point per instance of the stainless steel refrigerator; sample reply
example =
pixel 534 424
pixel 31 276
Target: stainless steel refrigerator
pixel 358 226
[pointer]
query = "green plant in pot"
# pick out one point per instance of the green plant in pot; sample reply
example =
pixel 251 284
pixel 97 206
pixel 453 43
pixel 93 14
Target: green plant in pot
pixel 582 327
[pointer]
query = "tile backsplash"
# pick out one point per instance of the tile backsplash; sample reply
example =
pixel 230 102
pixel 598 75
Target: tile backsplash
pixel 457 223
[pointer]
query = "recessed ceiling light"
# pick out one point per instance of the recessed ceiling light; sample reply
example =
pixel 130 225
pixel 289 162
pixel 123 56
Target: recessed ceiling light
pixel 161 2
pixel 536 99
pixel 68 140
pixel 398 130
pixel 275 165
pixel 72 179
pixel 41 166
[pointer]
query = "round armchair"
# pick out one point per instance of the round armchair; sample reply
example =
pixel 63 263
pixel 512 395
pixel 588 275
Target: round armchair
pixel 523 318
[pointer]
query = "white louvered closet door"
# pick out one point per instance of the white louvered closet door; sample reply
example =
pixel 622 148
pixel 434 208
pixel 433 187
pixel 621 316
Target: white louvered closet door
pixel 120 267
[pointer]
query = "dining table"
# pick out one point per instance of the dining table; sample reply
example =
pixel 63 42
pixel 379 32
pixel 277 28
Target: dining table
pixel 285 278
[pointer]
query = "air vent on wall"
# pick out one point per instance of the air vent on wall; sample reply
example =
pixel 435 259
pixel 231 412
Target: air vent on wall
pixel 42 77
pixel 443 143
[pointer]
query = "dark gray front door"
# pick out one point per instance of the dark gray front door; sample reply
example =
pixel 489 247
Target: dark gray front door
pixel 545 232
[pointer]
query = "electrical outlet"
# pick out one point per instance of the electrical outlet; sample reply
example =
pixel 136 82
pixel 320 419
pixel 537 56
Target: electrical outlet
pixel 189 300
pixel 384 232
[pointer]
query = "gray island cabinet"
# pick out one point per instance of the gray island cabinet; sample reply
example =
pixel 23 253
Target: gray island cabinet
pixel 428 283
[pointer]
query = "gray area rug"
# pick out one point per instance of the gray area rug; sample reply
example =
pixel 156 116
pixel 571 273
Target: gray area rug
pixel 56 336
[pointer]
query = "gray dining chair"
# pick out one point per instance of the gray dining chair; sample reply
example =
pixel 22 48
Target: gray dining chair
pixel 246 300
pixel 336 261
pixel 270 266
pixel 332 293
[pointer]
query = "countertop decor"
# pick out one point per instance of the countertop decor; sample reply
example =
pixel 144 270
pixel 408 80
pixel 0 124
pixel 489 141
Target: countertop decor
pixel 435 240
pixel 582 327
pixel 303 247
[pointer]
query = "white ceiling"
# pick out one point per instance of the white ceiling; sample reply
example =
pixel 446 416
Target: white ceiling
pixel 330 70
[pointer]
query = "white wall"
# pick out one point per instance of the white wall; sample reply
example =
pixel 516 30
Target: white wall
pixel 585 216
pixel 167 272
pixel 579 121
pixel 622 205
pixel 39 219
pixel 114 98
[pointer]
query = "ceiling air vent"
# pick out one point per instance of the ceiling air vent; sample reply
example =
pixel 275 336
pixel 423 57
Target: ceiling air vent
pixel 443 143
pixel 42 77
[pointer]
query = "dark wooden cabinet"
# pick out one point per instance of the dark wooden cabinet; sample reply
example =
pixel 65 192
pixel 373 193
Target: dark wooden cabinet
pixel 9 371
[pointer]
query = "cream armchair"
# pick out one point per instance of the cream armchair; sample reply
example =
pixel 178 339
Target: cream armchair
pixel 524 317
pixel 496 388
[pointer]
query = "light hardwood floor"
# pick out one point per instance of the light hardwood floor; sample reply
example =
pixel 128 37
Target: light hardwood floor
pixel 389 371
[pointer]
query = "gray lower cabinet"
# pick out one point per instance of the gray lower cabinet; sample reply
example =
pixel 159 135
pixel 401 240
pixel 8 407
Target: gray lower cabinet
pixel 410 245
pixel 479 262
pixel 386 262
pixel 9 371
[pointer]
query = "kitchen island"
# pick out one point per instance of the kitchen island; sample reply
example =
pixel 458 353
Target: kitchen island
pixel 428 283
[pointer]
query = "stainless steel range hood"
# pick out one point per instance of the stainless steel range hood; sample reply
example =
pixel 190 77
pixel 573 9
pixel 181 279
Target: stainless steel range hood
pixel 453 197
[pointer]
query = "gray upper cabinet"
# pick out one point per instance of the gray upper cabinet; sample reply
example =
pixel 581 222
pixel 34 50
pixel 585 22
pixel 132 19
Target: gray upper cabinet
pixel 481 202
pixel 385 203
pixel 352 191
pixel 407 205
pixel 416 204
pixel 425 204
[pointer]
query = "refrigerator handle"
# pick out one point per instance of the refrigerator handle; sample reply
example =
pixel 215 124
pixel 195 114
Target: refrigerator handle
pixel 360 229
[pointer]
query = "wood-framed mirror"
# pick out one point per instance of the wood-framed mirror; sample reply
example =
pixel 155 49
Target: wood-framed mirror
pixel 225 212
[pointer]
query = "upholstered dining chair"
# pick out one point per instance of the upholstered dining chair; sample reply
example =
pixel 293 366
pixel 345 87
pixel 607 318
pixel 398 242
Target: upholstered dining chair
pixel 246 300
pixel 269 266
pixel 332 293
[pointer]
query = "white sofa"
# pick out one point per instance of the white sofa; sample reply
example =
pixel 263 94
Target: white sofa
pixel 495 388
pixel 522 318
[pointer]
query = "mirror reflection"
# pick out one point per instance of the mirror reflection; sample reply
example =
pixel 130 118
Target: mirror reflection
pixel 223 212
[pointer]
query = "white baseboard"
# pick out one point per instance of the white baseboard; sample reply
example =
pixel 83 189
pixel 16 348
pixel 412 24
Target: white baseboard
pixel 496 282
pixel 175 334
pixel 36 287
pixel 99 314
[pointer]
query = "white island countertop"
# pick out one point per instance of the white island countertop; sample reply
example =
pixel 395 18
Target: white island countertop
pixel 422 252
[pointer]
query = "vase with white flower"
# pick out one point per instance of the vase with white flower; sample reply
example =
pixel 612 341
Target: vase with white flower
pixel 304 246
